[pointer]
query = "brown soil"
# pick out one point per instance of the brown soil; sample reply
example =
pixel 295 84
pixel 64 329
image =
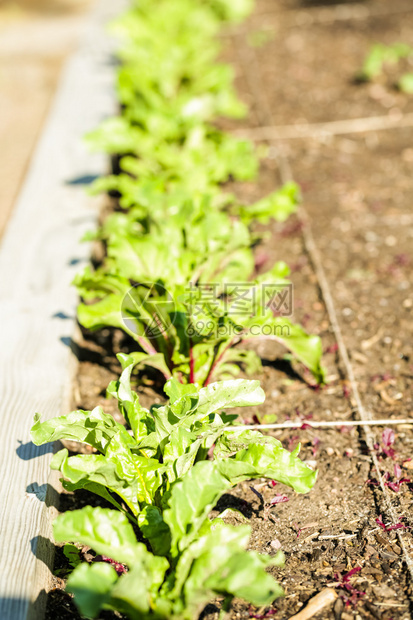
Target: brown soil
pixel 356 190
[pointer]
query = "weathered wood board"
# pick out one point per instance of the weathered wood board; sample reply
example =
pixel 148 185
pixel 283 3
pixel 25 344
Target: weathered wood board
pixel 39 255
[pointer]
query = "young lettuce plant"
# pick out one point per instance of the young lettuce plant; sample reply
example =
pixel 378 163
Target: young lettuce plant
pixel 180 68
pixel 187 239
pixel 150 201
pixel 174 241
pixel 380 55
pixel 158 479
pixel 190 332
pixel 206 158
pixel 171 89
pixel 159 262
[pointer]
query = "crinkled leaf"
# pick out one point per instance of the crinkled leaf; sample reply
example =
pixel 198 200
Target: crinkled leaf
pixel 217 563
pixel 134 478
pixel 182 398
pixel 191 500
pixel 243 575
pixel 108 532
pixel 225 394
pixel 279 205
pixel 81 470
pixel 94 428
pixel 269 461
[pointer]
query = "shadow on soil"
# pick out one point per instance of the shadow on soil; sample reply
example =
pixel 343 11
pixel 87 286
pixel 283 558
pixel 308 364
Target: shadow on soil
pixel 285 367
pixel 235 503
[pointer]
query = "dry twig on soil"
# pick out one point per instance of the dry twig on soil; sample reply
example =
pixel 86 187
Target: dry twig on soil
pixel 316 604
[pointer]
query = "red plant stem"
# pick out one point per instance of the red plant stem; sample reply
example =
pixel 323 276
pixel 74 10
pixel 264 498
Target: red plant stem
pixel 191 363
pixel 217 360
pixel 145 345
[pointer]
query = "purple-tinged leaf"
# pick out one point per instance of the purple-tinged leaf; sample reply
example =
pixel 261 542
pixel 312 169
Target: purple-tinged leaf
pixel 333 348
pixel 316 442
pixel 119 568
pixel 390 528
pixel 353 571
pixel 388 437
pixel 343 582
pixel 379 522
pixel 279 499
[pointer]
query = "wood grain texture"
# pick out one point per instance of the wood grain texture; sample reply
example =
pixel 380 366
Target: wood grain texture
pixel 39 257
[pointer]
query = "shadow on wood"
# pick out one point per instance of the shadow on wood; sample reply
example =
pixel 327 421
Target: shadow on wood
pixel 28 451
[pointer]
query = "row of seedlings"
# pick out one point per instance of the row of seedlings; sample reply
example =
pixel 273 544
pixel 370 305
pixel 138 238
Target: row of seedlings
pixel 178 246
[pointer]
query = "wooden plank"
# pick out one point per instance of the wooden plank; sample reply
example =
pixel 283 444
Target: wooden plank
pixel 39 256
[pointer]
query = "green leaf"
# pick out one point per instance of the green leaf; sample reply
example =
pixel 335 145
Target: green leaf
pixel 217 563
pixel 211 539
pixel 92 584
pixel 134 478
pixel 406 83
pixel 197 492
pixel 135 593
pixel 248 359
pixel 97 489
pixel 155 530
pixel 185 447
pixel 243 575
pixel 97 284
pixel 265 458
pixel 226 394
pixel 306 348
pixel 104 313
pixel 192 498
pixel 379 55
pixel 94 428
pixel 107 532
pixel 72 553
pixel 182 398
pixel 154 360
pixel 128 401
pixel 278 206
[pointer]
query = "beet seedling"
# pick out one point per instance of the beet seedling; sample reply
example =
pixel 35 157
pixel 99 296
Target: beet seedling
pixel 157 478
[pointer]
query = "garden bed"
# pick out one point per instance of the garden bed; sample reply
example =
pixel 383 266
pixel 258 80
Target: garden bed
pixel 356 192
